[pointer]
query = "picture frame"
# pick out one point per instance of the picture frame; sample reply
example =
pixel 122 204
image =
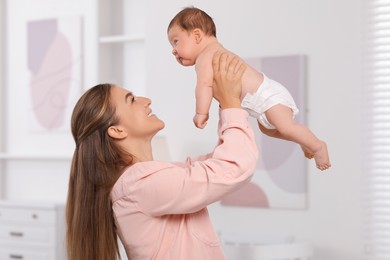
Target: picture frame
pixel 280 178
pixel 45 73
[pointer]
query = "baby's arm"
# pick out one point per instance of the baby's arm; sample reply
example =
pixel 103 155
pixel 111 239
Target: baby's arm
pixel 203 91
pixel 204 95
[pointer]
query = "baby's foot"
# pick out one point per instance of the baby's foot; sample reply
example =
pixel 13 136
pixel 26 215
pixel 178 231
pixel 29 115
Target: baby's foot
pixel 307 152
pixel 322 158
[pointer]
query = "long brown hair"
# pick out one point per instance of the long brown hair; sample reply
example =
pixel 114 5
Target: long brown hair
pixel 96 165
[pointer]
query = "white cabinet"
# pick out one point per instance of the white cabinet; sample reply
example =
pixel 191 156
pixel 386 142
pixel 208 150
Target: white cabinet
pixel 32 231
pixel 252 246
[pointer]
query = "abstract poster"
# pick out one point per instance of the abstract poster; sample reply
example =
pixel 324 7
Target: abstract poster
pixel 54 60
pixel 280 178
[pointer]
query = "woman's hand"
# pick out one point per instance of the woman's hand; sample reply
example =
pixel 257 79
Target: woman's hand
pixel 227 80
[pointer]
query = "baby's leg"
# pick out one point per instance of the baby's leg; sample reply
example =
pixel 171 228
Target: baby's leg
pixel 269 132
pixel 275 133
pixel 281 117
pixel 309 154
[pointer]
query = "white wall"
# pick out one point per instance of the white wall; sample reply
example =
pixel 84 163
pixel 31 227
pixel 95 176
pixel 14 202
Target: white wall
pixel 329 33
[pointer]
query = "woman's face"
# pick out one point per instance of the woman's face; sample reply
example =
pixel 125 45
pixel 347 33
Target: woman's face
pixel 135 114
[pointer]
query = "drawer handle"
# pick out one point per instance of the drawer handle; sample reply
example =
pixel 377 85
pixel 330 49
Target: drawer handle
pixel 16 234
pixel 15 256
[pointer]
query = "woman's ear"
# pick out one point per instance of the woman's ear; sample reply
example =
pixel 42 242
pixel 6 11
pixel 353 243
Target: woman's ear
pixel 198 34
pixel 116 132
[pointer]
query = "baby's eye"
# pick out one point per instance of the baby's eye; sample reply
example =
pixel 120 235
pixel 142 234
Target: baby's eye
pixel 133 99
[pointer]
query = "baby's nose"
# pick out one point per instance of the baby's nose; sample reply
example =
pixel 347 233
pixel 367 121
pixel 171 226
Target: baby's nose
pixel 174 52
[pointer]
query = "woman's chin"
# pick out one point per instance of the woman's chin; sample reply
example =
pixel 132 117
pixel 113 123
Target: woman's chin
pixel 162 125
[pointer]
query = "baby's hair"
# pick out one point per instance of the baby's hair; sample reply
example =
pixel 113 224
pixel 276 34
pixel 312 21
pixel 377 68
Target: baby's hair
pixel 193 18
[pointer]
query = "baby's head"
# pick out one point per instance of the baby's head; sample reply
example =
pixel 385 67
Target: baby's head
pixel 193 18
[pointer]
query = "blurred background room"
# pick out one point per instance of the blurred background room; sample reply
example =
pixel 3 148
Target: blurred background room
pixel 53 50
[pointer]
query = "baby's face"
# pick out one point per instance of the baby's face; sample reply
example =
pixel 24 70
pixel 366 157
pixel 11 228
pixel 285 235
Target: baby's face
pixel 183 44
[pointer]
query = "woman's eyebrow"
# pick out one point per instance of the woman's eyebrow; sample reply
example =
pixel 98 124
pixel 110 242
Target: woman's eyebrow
pixel 127 96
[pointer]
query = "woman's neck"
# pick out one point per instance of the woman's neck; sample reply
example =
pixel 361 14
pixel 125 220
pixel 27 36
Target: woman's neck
pixel 141 150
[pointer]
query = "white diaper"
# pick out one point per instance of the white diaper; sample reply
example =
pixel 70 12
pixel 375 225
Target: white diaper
pixel 269 94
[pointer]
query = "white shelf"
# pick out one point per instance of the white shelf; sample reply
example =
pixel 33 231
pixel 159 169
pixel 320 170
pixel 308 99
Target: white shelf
pixel 58 157
pixel 121 38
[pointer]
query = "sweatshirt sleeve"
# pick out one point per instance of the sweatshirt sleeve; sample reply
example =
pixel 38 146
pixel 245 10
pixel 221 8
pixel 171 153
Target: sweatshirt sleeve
pixel 179 189
pixel 190 160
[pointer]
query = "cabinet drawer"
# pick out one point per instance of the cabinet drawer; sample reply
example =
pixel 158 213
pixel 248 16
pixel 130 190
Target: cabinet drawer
pixel 9 234
pixel 20 254
pixel 27 215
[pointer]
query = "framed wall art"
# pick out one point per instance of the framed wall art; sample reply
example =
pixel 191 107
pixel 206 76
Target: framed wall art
pixel 45 72
pixel 280 179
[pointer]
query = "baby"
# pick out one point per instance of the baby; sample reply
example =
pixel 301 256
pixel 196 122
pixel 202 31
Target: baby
pixel 192 34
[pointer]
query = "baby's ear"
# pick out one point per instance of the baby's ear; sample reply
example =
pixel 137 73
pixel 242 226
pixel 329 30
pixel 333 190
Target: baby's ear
pixel 198 33
pixel 116 132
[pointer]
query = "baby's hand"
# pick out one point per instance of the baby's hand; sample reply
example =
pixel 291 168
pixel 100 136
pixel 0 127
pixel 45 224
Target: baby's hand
pixel 200 120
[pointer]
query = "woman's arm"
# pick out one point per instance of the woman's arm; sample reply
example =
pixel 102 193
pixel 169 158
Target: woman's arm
pixel 226 84
pixel 185 189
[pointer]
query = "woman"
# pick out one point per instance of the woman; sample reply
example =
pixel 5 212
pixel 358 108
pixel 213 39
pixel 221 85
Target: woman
pixel 158 209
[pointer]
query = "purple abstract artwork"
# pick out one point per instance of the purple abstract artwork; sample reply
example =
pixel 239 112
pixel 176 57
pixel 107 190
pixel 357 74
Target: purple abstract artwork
pixel 54 63
pixel 280 177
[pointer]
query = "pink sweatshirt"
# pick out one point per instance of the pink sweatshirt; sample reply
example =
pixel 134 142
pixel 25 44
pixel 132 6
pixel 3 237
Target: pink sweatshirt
pixel 160 208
